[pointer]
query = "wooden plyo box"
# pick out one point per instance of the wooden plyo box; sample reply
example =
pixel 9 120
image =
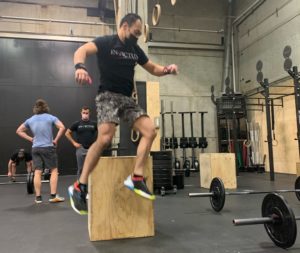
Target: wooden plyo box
pixel 115 212
pixel 220 165
pixel 298 169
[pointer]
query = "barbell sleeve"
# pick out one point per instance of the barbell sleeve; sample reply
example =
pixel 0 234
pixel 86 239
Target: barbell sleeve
pixel 202 194
pixel 260 192
pixel 252 221
pixel 17 175
pixel 283 191
pixel 208 194
pixel 20 182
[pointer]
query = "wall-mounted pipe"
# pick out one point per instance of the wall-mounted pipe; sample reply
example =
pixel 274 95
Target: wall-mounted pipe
pixel 274 28
pixel 233 60
pixel 178 29
pixel 261 21
pixel 227 54
pixel 45 37
pixel 247 12
pixel 55 20
pixel 187 46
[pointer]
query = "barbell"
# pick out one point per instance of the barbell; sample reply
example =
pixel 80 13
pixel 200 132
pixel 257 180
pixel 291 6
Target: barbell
pixel 217 193
pixel 29 180
pixel 13 182
pixel 278 219
pixel 46 175
pixel 17 175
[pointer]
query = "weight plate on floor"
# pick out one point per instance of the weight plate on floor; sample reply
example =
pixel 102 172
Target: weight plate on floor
pixel 283 230
pixel 217 200
pixel 30 186
pixel 157 176
pixel 297 187
pixel 163 178
pixel 163 170
pixel 161 155
pixel 165 163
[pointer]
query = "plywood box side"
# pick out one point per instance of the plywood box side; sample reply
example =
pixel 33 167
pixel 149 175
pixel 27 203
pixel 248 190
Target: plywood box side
pixel 115 212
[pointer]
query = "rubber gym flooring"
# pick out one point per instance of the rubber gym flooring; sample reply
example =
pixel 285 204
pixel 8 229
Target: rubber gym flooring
pixel 182 224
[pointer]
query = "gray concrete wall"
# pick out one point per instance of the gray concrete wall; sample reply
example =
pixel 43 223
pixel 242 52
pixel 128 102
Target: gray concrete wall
pixel 51 20
pixel 190 14
pixel 190 90
pixel 263 36
pixel 199 68
pixel 241 5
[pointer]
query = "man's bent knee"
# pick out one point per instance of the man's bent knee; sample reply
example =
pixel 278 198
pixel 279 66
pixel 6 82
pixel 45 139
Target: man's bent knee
pixel 105 140
pixel 54 171
pixel 38 173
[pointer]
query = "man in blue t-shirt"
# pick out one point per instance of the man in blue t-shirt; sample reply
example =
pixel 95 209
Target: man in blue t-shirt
pixel 86 133
pixel 117 57
pixel 43 147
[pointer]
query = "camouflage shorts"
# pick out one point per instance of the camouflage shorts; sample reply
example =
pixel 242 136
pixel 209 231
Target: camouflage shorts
pixel 111 107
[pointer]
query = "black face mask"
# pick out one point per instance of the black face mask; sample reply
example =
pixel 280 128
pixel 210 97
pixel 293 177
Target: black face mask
pixel 131 41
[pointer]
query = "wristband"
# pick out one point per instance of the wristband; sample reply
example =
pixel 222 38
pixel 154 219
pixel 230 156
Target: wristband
pixel 80 66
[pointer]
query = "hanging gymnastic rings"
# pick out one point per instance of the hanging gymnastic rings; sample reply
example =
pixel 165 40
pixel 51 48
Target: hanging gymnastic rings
pixel 137 135
pixel 146 33
pixel 247 143
pixel 156 13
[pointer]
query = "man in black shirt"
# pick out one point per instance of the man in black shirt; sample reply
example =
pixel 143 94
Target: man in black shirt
pixel 18 156
pixel 86 133
pixel 117 57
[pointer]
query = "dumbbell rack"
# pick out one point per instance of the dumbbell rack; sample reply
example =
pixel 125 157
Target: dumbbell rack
pixel 193 144
pixel 184 144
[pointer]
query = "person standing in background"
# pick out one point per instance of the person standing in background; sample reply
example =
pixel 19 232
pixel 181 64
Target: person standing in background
pixel 86 133
pixel 43 147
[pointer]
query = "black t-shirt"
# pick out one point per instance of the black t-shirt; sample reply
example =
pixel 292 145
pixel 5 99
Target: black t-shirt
pixel 116 62
pixel 86 132
pixel 27 157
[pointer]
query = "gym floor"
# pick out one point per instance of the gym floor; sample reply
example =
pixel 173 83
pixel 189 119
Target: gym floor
pixel 182 224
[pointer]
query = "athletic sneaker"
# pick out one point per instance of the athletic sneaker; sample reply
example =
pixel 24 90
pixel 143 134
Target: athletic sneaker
pixel 78 199
pixel 56 199
pixel 38 199
pixel 139 187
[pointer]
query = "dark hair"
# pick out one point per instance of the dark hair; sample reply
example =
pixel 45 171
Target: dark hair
pixel 21 152
pixel 130 19
pixel 40 107
pixel 85 107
